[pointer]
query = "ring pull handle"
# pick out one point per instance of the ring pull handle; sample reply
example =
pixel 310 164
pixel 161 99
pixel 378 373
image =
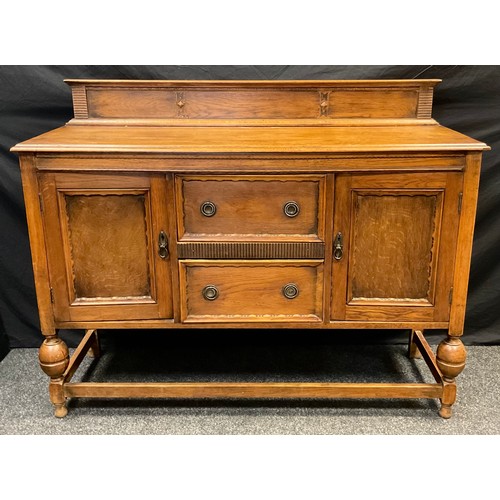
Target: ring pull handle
pixel 210 292
pixel 208 209
pixel 291 209
pixel 162 245
pixel 338 247
pixel 290 290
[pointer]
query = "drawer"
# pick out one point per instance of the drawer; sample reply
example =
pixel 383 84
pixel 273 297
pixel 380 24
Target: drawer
pixel 251 291
pixel 250 207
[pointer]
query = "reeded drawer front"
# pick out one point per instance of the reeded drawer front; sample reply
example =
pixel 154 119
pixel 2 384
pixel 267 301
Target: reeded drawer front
pixel 226 208
pixel 260 291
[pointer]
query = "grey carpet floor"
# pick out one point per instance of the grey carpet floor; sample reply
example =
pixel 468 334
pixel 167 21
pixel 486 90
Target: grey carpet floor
pixel 25 406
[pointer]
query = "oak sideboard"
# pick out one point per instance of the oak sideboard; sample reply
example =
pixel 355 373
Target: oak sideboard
pixel 251 204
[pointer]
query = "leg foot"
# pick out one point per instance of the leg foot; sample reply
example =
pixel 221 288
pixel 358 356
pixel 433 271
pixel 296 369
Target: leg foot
pixel 60 410
pixel 95 348
pixel 445 411
pixel 413 352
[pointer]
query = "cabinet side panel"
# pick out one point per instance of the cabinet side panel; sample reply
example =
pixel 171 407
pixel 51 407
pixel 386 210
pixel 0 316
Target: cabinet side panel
pixel 464 244
pixel 37 238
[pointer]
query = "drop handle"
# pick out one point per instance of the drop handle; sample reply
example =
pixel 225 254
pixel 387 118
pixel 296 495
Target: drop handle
pixel 338 247
pixel 162 245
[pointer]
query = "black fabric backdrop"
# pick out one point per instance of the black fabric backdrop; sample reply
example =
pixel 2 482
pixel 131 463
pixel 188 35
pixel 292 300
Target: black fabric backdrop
pixel 4 341
pixel 34 99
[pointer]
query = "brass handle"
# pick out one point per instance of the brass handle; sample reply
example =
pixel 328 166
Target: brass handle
pixel 208 209
pixel 290 290
pixel 291 209
pixel 210 292
pixel 162 245
pixel 338 247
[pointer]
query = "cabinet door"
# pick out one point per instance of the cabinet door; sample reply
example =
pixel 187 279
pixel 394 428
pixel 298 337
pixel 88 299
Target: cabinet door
pixel 102 240
pixel 396 240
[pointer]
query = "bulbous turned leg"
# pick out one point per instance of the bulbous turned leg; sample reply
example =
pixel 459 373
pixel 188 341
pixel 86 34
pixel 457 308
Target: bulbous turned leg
pixel 54 359
pixel 450 358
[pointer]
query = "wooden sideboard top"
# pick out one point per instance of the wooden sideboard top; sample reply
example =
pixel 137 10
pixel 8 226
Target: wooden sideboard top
pixel 266 116
pixel 110 139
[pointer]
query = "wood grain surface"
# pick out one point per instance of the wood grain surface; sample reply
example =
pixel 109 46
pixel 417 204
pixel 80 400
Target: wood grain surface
pixel 102 246
pixel 250 207
pixel 400 235
pixel 393 245
pixel 254 100
pixel 94 138
pixel 197 390
pixel 251 290
pixel 108 240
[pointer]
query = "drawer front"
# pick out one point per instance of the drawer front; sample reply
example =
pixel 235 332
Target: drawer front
pixel 251 291
pixel 250 207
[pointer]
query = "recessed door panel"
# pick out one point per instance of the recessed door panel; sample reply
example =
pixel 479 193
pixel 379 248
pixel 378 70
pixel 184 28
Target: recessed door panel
pixel 109 245
pixel 393 246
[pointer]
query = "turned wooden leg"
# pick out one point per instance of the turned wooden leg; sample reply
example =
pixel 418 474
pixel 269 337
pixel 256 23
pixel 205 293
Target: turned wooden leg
pixel 450 358
pixel 54 359
pixel 413 352
pixel 95 347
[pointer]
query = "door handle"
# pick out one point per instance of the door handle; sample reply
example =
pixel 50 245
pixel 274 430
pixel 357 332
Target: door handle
pixel 162 245
pixel 338 247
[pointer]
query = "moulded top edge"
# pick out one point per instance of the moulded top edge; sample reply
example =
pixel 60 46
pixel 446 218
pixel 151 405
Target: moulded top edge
pixel 238 140
pixel 252 83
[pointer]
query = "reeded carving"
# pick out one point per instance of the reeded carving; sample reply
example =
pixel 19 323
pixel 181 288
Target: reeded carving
pixel 80 105
pixel 250 250
pixel 425 97
pixel 53 357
